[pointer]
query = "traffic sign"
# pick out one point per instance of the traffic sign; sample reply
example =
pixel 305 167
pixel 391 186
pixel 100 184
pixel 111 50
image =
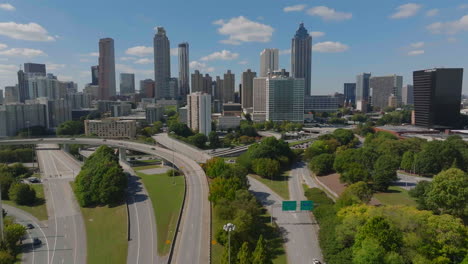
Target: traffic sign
pixel 307 205
pixel 289 205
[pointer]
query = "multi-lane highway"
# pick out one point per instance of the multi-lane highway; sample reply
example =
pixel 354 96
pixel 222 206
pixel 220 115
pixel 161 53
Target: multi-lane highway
pixel 67 243
pixel 180 147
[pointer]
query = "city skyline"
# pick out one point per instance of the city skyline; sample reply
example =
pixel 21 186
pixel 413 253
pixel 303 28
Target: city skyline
pixel 403 40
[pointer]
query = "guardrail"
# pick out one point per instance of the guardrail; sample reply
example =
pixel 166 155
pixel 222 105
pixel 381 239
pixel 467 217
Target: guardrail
pixel 171 252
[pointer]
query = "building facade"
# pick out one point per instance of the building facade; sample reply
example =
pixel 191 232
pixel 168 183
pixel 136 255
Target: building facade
pixel 184 81
pixel 11 94
pixel 107 87
pixel 229 86
pixel 349 92
pixel 321 103
pixel 269 61
pixel 284 97
pixel 259 99
pixel 162 63
pixel 127 83
pixel 301 57
pixel 95 75
pixel 407 95
pixel 35 68
pixel 437 97
pixel 17 116
pixel 247 88
pixel 383 87
pixel 154 113
pixel 199 112
pixel 111 128
pixel 362 91
pixel 147 88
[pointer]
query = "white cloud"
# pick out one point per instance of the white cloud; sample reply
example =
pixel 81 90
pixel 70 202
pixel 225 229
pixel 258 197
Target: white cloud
pixel 417 45
pixel 415 52
pixel 201 66
pixel 221 55
pixel 130 69
pixel 3 46
pixel 243 62
pixel 66 78
pixel 285 52
pixel 91 54
pixel 31 31
pixel 327 13
pixel 7 7
pixel 329 47
pixel 6 69
pixel 406 10
pixel 127 58
pixel 432 12
pixel 140 51
pixel 54 66
pixel 294 8
pixel 451 27
pixel 317 34
pixel 143 61
pixel 174 51
pixel 240 29
pixel 22 52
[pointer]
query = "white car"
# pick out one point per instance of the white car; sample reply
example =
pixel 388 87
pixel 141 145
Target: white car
pixel 316 261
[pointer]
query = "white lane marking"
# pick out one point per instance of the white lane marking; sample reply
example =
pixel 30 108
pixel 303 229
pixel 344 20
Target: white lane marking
pixel 138 230
pixel 76 244
pixel 152 232
pixel 32 245
pixel 56 225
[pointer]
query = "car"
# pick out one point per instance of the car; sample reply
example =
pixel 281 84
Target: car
pixel 36 241
pixel 153 148
pixel 29 226
pixel 33 180
pixel 72 138
pixel 104 140
pixel 316 261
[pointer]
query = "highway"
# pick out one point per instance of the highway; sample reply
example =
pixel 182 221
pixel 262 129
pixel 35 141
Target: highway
pixel 190 151
pixel 194 234
pixel 67 240
pixel 301 229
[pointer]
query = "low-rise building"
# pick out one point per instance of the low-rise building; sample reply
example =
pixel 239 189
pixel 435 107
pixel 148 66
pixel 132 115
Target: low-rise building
pixel 321 103
pixel 154 113
pixel 111 128
pixel 227 122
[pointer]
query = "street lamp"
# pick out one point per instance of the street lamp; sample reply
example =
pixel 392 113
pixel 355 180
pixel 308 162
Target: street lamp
pixel 228 228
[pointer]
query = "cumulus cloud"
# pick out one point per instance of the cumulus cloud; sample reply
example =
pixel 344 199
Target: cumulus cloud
pixel 285 52
pixel 7 7
pixel 127 58
pixel 406 10
pixel 240 29
pixel 201 66
pixel 415 52
pixel 31 31
pixel 417 45
pixel 432 12
pixel 294 8
pixel 143 61
pixel 140 51
pixel 329 47
pixel 243 62
pixel 327 13
pixel 22 52
pixel 6 69
pixel 3 46
pixel 451 27
pixel 129 69
pixel 317 34
pixel 54 66
pixel 91 54
pixel 221 55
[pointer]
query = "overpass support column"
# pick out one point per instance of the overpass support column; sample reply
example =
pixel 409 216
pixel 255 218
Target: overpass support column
pixel 123 154
pixel 66 147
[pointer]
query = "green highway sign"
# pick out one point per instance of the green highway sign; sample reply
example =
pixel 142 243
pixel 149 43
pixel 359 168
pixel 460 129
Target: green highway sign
pixel 289 205
pixel 307 205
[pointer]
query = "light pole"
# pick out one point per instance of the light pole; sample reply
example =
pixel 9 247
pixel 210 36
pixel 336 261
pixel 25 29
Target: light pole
pixel 228 228
pixel 173 170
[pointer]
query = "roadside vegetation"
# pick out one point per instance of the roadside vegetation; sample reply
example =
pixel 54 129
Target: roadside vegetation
pixel 10 248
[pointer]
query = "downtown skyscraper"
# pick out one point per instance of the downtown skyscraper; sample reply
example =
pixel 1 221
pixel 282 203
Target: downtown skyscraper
pixel 106 69
pixel 184 86
pixel 269 59
pixel 301 57
pixel 162 64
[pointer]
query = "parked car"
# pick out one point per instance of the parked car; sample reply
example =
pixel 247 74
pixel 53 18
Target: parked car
pixel 29 226
pixel 36 241
pixel 34 180
pixel 316 261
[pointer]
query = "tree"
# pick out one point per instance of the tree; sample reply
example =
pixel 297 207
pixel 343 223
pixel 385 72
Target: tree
pixel 70 128
pixel 260 255
pixel 358 192
pixel 344 158
pixel 317 148
pixel 22 194
pixel 384 172
pixel 354 172
pixel 382 231
pixel 407 161
pixel 199 140
pixel 420 193
pixel 359 118
pixel 244 255
pixel 214 140
pixel 180 129
pixel 368 252
pixel 214 167
pixel 6 258
pixel 6 180
pixel 267 168
pixel 13 233
pixel 449 193
pixel 248 130
pixel 157 127
pixel 322 164
pixel 344 136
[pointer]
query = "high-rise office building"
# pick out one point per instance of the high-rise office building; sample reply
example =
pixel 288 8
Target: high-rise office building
pixel 407 95
pixel 219 89
pixel 95 75
pixel 362 91
pixel 47 86
pixel 437 97
pixel 162 64
pixel 184 82
pixel 127 83
pixel 228 87
pixel 259 98
pixel 107 87
pixel 23 89
pixel 1 96
pixel 207 84
pixel 35 69
pixel 11 94
pixel 301 57
pixel 284 97
pixel 197 81
pixel 199 112
pixel 147 88
pixel 349 93
pixel 174 88
pixel 269 60
pixel 321 103
pixel 247 88
pixel 383 87
pixel 17 116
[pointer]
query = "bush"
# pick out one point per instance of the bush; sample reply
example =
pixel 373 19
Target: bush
pixel 322 164
pixel 267 168
pixel 22 194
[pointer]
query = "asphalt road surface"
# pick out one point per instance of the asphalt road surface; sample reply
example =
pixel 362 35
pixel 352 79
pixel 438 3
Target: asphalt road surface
pixel 67 240
pixel 183 148
pixel 299 228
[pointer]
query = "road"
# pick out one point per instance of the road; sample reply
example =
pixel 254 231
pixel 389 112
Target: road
pixel 170 143
pixel 194 233
pixel 142 246
pixel 300 228
pixel 408 182
pixel 67 240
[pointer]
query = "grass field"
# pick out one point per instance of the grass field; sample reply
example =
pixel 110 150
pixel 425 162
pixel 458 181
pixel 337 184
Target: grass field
pixel 301 141
pixel 39 209
pixel 395 196
pixel 278 185
pixel 166 198
pixel 106 233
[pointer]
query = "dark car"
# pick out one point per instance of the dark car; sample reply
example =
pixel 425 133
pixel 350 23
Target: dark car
pixel 29 226
pixel 36 241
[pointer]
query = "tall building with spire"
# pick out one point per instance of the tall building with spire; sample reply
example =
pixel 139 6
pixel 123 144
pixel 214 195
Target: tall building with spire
pixel 106 69
pixel 301 57
pixel 162 64
pixel 184 86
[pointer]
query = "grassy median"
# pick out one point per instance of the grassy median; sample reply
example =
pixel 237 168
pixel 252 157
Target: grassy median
pixel 279 184
pixel 38 209
pixel 106 234
pixel 166 198
pixel 395 196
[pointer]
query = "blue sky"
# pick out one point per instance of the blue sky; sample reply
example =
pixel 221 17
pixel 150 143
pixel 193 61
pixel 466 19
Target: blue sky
pixel 383 37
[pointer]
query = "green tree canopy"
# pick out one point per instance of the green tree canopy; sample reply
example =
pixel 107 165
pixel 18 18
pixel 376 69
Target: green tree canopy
pixel 70 128
pixel 322 164
pixel 22 194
